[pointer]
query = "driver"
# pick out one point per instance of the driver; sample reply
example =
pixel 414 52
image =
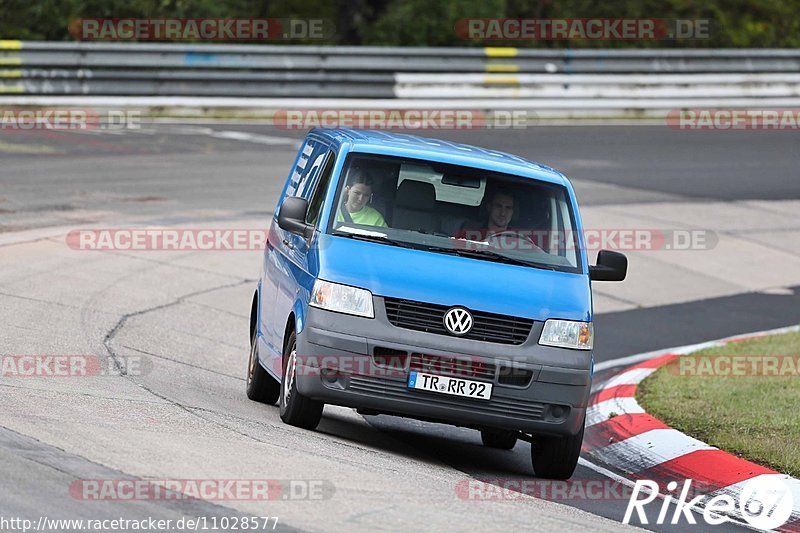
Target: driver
pixel 501 209
pixel 500 212
pixel 357 194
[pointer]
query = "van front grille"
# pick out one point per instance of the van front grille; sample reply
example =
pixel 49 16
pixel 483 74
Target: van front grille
pixel 487 327
pixel 452 366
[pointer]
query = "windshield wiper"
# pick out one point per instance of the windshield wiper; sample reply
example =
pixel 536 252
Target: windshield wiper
pixel 373 237
pixel 490 255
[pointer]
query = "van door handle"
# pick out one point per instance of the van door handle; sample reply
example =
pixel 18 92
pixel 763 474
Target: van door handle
pixel 288 244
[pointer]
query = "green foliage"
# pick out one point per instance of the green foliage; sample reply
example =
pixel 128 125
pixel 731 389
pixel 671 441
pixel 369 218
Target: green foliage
pixel 734 23
pixel 426 22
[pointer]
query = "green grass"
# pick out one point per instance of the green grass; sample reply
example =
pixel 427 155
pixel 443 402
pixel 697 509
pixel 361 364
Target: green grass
pixel 756 417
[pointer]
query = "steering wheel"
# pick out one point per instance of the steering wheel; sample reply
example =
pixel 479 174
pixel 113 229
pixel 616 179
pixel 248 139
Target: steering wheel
pixel 493 239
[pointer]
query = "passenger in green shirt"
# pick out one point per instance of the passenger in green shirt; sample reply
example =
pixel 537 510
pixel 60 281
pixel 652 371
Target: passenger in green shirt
pixel 357 193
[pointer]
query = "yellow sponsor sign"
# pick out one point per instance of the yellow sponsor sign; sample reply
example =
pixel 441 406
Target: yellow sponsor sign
pixel 497 51
pixel 501 80
pixel 502 67
pixel 10 45
pixel 5 89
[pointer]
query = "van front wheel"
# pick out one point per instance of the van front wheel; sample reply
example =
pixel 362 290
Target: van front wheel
pixel 296 409
pixel 261 387
pixel 556 457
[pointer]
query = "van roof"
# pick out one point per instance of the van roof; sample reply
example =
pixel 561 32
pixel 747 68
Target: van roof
pixel 439 150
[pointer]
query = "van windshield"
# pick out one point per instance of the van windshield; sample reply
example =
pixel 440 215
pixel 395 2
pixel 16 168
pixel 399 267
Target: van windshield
pixel 456 210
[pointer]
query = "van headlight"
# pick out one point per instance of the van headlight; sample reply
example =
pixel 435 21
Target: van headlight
pixel 568 334
pixel 342 299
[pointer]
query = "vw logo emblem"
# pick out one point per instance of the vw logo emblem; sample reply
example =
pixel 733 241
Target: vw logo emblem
pixel 458 321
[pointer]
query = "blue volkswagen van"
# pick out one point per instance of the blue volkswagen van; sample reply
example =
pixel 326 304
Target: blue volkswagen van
pixel 422 278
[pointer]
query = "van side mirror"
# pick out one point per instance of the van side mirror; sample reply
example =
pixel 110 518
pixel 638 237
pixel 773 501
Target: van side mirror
pixel 292 217
pixel 611 266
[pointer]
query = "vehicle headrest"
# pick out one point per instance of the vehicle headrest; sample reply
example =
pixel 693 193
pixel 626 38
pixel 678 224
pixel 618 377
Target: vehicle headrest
pixel 536 213
pixel 416 195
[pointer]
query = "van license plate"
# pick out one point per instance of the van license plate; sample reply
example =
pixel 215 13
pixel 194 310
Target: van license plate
pixel 449 385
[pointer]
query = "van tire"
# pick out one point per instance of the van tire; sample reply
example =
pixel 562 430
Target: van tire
pixel 296 409
pixel 556 457
pixel 261 386
pixel 499 438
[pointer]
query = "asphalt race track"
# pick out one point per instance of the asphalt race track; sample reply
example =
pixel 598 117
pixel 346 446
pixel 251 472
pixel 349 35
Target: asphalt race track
pixel 185 314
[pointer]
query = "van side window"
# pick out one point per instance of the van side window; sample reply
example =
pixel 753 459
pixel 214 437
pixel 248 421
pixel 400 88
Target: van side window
pixel 309 161
pixel 300 170
pixel 315 205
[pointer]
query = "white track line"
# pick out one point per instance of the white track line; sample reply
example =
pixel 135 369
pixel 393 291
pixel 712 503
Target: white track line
pixel 657 446
pixel 600 412
pixel 682 350
pixel 662 445
pixel 628 483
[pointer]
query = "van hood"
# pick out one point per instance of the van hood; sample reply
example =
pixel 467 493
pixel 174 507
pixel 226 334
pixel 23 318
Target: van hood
pixel 445 279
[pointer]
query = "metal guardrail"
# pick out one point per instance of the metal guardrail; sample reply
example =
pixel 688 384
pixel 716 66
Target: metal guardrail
pixel 269 71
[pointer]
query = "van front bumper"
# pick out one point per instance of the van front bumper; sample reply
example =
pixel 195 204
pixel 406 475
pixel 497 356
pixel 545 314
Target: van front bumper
pixel 340 361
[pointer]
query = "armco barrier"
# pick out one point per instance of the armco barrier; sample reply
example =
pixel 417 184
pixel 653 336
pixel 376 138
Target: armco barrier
pixel 630 80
